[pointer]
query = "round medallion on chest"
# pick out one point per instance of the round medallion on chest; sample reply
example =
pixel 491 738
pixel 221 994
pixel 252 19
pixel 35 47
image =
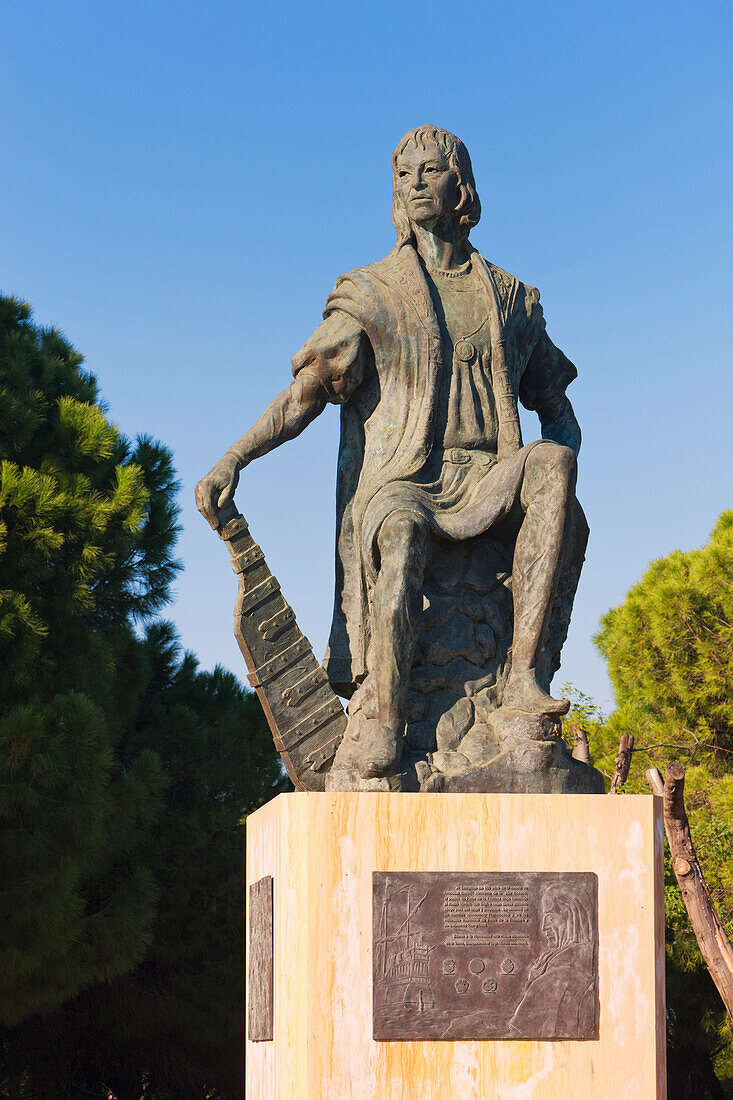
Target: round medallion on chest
pixel 464 350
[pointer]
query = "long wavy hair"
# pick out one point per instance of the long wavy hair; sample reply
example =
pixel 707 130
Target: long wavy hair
pixel 456 154
pixel 576 922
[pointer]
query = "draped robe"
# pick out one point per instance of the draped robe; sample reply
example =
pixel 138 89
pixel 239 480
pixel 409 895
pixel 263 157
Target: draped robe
pixel 381 354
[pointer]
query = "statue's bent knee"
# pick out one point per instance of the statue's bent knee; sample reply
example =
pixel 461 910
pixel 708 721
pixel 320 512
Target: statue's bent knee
pixel 553 458
pixel 402 528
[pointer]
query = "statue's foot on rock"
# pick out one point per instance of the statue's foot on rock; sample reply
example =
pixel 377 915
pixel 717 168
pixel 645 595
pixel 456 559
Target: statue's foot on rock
pixel 523 693
pixel 381 753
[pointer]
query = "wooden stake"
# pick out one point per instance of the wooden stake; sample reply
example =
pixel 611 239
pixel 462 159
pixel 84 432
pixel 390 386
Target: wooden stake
pixel 623 763
pixel 581 750
pixel 714 943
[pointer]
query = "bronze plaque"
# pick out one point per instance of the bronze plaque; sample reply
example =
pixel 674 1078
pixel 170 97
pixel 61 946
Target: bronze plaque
pixel 260 990
pixel 485 955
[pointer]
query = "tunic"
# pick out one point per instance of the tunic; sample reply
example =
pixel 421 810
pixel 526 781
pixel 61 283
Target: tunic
pixel 466 415
pixel 427 367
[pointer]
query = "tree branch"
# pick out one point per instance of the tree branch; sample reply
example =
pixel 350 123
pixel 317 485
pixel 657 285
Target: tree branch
pixel 714 943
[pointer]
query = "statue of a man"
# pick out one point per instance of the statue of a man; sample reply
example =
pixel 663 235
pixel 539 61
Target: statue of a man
pixel 427 352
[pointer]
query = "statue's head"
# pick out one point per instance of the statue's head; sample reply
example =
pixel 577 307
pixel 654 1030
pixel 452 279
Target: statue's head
pixel 433 181
pixel 566 918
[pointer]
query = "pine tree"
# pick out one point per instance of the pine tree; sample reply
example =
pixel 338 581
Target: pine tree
pixel 669 648
pixel 87 525
pixel 173 1026
pixel 125 770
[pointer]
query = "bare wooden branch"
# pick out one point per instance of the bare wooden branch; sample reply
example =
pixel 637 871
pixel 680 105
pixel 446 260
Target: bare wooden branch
pixel 581 749
pixel 623 763
pixel 714 943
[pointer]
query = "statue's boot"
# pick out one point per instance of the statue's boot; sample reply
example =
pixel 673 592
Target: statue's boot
pixel 523 693
pixel 382 753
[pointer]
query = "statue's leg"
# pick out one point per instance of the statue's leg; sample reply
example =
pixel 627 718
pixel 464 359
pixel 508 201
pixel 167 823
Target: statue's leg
pixel 396 612
pixel 547 494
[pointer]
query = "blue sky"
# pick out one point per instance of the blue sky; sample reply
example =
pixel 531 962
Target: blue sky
pixel 183 182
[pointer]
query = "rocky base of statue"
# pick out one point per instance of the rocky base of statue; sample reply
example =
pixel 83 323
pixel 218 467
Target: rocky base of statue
pixel 511 752
pixel 458 735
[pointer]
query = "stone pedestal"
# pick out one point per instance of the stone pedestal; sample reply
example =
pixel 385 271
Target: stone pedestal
pixel 335 857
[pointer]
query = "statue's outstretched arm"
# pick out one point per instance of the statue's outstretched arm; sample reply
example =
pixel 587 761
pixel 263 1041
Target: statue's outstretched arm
pixel 283 419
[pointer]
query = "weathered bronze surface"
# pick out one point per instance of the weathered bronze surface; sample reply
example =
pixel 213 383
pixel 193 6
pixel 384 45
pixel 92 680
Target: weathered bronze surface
pixel 485 955
pixel 459 547
pixel 261 985
pixel 305 716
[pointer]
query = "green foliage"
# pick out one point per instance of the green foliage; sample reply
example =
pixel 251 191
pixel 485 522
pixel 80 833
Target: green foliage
pixel 65 813
pixel 669 648
pixel 87 525
pixel 172 1026
pixel 124 770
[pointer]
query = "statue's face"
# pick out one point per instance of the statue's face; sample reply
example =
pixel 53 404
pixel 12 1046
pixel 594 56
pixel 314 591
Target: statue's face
pixel 552 922
pixel 427 185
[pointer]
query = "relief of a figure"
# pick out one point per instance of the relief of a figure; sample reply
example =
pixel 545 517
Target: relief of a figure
pixel 559 997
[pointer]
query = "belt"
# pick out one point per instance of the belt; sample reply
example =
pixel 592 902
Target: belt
pixel 460 456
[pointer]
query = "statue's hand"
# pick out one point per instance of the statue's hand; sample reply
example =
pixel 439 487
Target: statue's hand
pixel 217 488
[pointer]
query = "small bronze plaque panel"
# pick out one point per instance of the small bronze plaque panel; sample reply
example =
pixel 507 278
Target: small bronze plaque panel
pixel 485 955
pixel 260 988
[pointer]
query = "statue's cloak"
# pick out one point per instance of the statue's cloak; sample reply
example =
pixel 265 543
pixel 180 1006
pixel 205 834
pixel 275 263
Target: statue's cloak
pixel 388 422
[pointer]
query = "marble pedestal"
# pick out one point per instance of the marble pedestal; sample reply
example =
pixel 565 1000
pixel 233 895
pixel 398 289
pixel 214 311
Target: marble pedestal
pixel 321 851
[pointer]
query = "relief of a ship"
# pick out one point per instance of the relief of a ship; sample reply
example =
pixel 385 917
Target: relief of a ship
pixel 404 958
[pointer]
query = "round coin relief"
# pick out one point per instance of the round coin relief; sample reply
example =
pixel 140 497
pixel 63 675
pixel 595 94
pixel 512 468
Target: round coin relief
pixel 507 966
pixel 488 985
pixel 476 966
pixel 464 350
pixel 461 986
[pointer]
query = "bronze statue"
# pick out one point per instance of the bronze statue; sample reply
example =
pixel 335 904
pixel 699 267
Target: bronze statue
pixel 427 352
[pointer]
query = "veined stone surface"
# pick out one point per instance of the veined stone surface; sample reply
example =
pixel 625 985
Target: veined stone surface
pixel 323 850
